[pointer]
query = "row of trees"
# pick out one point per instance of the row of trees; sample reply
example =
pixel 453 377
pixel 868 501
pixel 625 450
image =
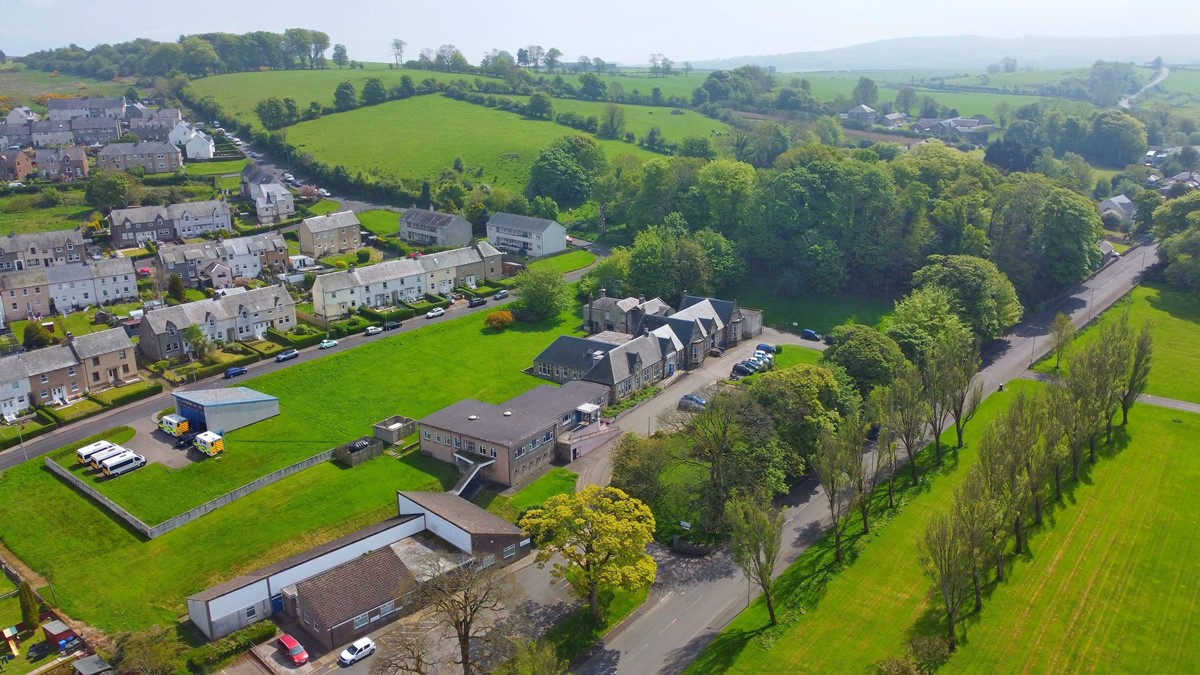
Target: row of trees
pixel 1111 137
pixel 1025 457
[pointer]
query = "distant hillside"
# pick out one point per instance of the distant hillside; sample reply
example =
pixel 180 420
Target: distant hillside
pixel 975 53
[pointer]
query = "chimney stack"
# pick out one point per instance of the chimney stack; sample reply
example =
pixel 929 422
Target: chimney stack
pixel 604 292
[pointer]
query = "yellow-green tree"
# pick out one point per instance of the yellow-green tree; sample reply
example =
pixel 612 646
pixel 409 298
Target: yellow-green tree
pixel 600 535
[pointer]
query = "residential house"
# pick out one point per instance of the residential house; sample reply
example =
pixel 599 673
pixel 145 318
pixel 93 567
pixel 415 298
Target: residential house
pixel 25 295
pixel 514 442
pixel 180 133
pixel 526 235
pixel 244 316
pixel 894 120
pixel 621 315
pixel 431 228
pixel 107 358
pixel 201 264
pixel 152 156
pixel 51 132
pixel 134 226
pixel 66 371
pixel 16 134
pixel 14 388
pixel 155 125
pixel 15 165
pixel 62 163
pixel 99 282
pixel 200 146
pixel 21 115
pixel 67 109
pixel 623 363
pixel 330 234
pixel 1121 205
pixel 95 130
pixel 252 175
pixel 391 282
pixel 40 249
pixel 273 203
pixel 55 374
pixel 975 129
pixel 1184 180
pixel 863 114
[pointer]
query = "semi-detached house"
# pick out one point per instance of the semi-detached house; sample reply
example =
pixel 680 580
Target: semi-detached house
pixel 60 373
pixel 526 235
pixel 330 234
pixel 432 228
pixel 218 263
pixel 129 227
pixel 242 316
pixel 40 249
pixel 100 282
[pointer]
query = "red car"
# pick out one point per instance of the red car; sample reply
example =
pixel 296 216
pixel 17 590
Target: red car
pixel 293 650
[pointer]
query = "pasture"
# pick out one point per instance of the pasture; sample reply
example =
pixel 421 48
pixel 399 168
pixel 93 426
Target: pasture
pixel 1117 553
pixel 640 80
pixel 421 136
pixel 640 118
pixel 28 87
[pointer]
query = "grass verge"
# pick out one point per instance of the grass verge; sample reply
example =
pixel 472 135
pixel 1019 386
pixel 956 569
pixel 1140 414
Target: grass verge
pixel 557 481
pixel 566 262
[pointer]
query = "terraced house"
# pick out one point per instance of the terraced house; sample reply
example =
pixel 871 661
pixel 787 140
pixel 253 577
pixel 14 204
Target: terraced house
pixel 61 163
pixel 100 282
pixel 243 316
pixel 168 223
pixel 152 156
pixel 61 373
pixel 40 249
pixel 217 264
pixel 70 108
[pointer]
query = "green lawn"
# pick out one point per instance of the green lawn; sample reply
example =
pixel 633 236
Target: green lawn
pixel 229 182
pixel 566 262
pixel 217 168
pixel 396 371
pixel 26 213
pixel 351 257
pixel 819 312
pixel 1176 317
pixel 421 136
pixel 1101 589
pixel 639 118
pixel 380 222
pixel 80 323
pixel 557 481
pixel 323 206
pixel 790 356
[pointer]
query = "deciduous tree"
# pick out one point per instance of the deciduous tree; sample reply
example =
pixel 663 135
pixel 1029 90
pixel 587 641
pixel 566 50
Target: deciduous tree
pixel 465 601
pixel 1062 332
pixel 868 356
pixel 339 56
pixel 979 293
pixel 543 293
pixel 755 534
pixel 945 560
pixel 976 516
pixel 1137 376
pixel 838 450
pixel 344 96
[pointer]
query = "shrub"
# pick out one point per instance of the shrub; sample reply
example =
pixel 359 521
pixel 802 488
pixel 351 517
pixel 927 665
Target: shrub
pixel 363 255
pixel 128 393
pixel 499 320
pixel 36 336
pixel 205 658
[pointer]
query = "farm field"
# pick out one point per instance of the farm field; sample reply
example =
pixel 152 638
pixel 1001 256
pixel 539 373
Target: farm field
pixel 1181 91
pixel 1176 317
pixel 1119 566
pixel 396 370
pixel 820 313
pixel 21 214
pixel 320 504
pixel 421 136
pixel 27 87
pixel 639 118
pixel 238 93
pixel 643 82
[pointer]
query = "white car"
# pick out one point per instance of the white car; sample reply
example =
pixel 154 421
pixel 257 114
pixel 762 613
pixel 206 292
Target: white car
pixel 323 192
pixel 435 312
pixel 289 177
pixel 357 651
pixel 373 330
pixel 327 344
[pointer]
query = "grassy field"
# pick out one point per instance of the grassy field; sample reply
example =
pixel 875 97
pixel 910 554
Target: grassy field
pixel 1181 91
pixel 639 119
pixel 643 82
pixel 820 313
pixel 380 222
pixel 21 214
pixel 25 87
pixel 238 93
pixel 1176 317
pixel 557 481
pixel 1104 588
pixel 397 371
pixel 321 504
pixel 216 168
pixel 567 262
pixel 324 206
pixel 421 136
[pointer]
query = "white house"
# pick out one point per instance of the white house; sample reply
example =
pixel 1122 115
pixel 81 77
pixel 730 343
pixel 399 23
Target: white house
pixel 272 202
pixel 200 146
pixel 20 115
pixel 100 282
pixel 14 388
pixel 245 316
pixel 181 133
pixel 526 235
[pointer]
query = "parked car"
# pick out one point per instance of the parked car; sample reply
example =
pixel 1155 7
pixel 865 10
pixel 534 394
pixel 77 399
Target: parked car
pixel 435 312
pixel 691 402
pixel 810 334
pixel 828 339
pixel 234 371
pixel 357 651
pixel 185 439
pixel 476 302
pixel 500 294
pixel 769 348
pixel 769 358
pixel 292 650
pixel 751 364
pixel 740 370
pixel 391 325
pixel 327 344
pixel 373 330
pixel 286 355
pixel 323 192
pixel 288 177
pixel 40 651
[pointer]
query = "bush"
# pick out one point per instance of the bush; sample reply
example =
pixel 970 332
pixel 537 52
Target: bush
pixel 362 255
pixel 499 320
pixel 127 394
pixel 206 658
pixel 295 339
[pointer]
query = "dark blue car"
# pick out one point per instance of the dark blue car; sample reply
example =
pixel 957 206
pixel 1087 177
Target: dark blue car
pixel 810 334
pixel 234 371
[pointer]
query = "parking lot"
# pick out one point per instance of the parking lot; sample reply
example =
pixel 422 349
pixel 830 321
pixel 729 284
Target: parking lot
pixel 158 446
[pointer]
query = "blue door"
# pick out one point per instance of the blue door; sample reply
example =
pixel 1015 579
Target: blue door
pixel 276 603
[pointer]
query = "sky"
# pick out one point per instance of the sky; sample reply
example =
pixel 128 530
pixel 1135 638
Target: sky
pixel 624 31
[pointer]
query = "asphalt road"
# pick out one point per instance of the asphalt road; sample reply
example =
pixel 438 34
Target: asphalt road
pixel 1158 79
pixel 691 602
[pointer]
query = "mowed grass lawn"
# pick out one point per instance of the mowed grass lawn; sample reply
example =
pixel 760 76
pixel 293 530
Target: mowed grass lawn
pixel 421 136
pixel 380 222
pixel 818 312
pixel 332 400
pixel 216 168
pixel 567 262
pixel 1108 585
pixel 1176 317
pixel 557 481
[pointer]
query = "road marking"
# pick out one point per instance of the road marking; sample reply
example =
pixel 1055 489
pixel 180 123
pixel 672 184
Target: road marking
pixel 668 626
pixel 694 602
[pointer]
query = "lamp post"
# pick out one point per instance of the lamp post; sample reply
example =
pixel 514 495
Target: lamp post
pixel 1033 345
pixel 21 437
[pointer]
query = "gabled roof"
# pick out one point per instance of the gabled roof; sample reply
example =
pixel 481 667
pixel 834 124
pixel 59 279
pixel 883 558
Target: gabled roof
pixel 104 342
pixel 331 221
pixel 226 396
pixel 446 259
pixel 525 223
pixel 73 153
pixel 266 193
pixel 144 147
pixel 148 214
pixel 622 362
pixel 723 309
pixel 12 369
pixel 356 587
pixel 685 328
pixel 85 102
pixel 222 308
pixel 861 109
pixel 389 270
pixel 461 513
pixel 44 240
pixel 431 220
pixel 62 274
pixel 573 352
pixel 252 174
pixel 80 123
pixel 48 359
pixel 26 278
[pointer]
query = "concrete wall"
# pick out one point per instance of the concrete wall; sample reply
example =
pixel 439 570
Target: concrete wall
pixel 436 524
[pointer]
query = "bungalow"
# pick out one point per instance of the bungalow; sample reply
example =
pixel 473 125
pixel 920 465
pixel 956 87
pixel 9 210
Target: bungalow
pixel 15 165
pixel 40 249
pixel 200 146
pixel 244 316
pixel 431 228
pixel 129 227
pixel 62 164
pixel 1121 205
pixel 330 234
pixel 152 156
pixel 526 235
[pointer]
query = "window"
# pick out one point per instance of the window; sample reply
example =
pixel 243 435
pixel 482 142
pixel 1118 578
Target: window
pixel 487 561
pixel 45 378
pixel 437 439
pixel 510 550
pixel 387 608
pixel 71 371
pixel 251 612
pixel 361 620
pixel 426 434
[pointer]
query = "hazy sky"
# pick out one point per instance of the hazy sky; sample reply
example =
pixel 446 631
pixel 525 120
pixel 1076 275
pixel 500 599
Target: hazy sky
pixel 615 30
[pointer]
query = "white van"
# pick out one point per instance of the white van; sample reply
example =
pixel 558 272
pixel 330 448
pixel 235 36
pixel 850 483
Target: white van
pixel 176 425
pixel 98 458
pixel 121 464
pixel 85 453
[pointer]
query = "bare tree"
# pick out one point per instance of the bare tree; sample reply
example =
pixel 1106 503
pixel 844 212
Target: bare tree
pixel 1138 374
pixel 755 534
pixel 907 413
pixel 465 601
pixel 398 46
pixel 945 561
pixel 837 450
pixel 401 652
pixel 1062 332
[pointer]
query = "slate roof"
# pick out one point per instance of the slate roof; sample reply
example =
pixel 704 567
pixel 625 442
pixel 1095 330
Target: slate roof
pixel 363 276
pixel 110 267
pixel 252 174
pixel 265 193
pixel 573 352
pixel 85 102
pixel 23 279
pixel 723 308
pixel 104 342
pixel 144 147
pixel 148 214
pixel 525 223
pixel 91 665
pixel 48 359
pixel 620 364
pixel 462 513
pixel 861 109
pixel 94 123
pixel 61 274
pixel 332 221
pixel 42 240
pixel 485 249
pixel 226 396
pixel 445 259
pixel 355 587
pixel 74 154
pixel 51 126
pixel 192 313
pixel 12 370
pixel 430 220
pixel 532 412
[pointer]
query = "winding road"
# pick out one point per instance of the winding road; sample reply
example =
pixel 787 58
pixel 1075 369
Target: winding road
pixel 1127 102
